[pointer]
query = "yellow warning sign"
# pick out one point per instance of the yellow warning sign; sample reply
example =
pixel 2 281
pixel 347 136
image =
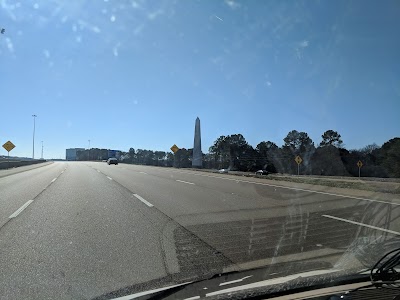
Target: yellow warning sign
pixel 174 148
pixel 8 146
pixel 298 159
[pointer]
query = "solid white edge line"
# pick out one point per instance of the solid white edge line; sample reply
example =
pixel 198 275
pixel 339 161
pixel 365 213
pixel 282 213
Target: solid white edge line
pixel 109 177
pixel 362 224
pixel 143 200
pixel 235 281
pixel 143 173
pixel 54 180
pixel 137 295
pixel 19 210
pixel 291 188
pixel 184 181
pixel 270 282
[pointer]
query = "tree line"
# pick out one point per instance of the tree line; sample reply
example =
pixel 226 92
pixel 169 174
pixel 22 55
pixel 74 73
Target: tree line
pixel 328 158
pixel 232 152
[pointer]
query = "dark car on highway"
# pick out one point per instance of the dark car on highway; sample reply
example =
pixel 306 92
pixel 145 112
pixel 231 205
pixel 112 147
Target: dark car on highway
pixel 111 161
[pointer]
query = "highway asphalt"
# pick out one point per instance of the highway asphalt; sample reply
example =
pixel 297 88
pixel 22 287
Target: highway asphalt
pixel 78 230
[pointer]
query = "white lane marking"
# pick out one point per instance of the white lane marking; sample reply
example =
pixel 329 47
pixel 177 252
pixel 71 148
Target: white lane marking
pixel 143 173
pixel 362 224
pixel 137 295
pixel 98 171
pixel 19 210
pixel 185 182
pixel 193 298
pixel 270 282
pixel 62 172
pixel 143 200
pixel 109 177
pixel 291 188
pixel 235 281
pixel 54 180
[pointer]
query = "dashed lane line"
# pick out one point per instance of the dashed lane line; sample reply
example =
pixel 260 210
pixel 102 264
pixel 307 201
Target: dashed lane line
pixel 291 188
pixel 19 210
pixel 185 182
pixel 143 200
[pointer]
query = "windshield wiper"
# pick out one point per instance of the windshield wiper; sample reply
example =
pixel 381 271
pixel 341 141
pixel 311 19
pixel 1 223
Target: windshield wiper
pixel 384 273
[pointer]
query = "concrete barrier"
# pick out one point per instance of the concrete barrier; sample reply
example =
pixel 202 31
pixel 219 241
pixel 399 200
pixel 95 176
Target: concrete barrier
pixel 4 164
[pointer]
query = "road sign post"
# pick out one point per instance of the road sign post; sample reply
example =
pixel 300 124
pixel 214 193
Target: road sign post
pixel 298 160
pixel 175 149
pixel 8 146
pixel 359 165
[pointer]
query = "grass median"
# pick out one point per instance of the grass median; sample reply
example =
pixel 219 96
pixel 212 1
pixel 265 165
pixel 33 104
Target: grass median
pixel 374 186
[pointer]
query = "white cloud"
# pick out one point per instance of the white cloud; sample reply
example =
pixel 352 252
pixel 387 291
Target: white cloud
pixel 218 18
pixel 78 39
pixel 154 15
pixel 268 83
pixel 232 4
pixel 300 48
pixel 86 25
pixel 298 53
pixel 36 6
pixel 9 9
pixel 112 18
pixel 115 49
pixel 96 29
pixel 10 45
pixel 304 44
pixel 134 4
pixel 46 53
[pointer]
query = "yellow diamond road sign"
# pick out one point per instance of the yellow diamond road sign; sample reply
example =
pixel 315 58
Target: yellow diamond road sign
pixel 8 146
pixel 174 148
pixel 359 164
pixel 298 159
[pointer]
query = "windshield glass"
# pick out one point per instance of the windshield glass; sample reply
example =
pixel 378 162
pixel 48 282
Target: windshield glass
pixel 150 143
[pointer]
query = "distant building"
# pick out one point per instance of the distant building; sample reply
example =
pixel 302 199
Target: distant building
pixel 70 154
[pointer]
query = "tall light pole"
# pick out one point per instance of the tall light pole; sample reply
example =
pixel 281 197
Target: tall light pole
pixel 33 141
pixel 89 150
pixel 42 149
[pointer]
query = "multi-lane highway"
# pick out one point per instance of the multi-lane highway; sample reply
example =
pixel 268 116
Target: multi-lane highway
pixel 78 230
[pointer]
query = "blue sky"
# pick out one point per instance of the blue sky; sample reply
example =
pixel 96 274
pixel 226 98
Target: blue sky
pixel 137 73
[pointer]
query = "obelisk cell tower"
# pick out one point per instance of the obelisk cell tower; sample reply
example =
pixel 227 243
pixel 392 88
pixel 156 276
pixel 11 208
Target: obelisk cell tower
pixel 197 161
